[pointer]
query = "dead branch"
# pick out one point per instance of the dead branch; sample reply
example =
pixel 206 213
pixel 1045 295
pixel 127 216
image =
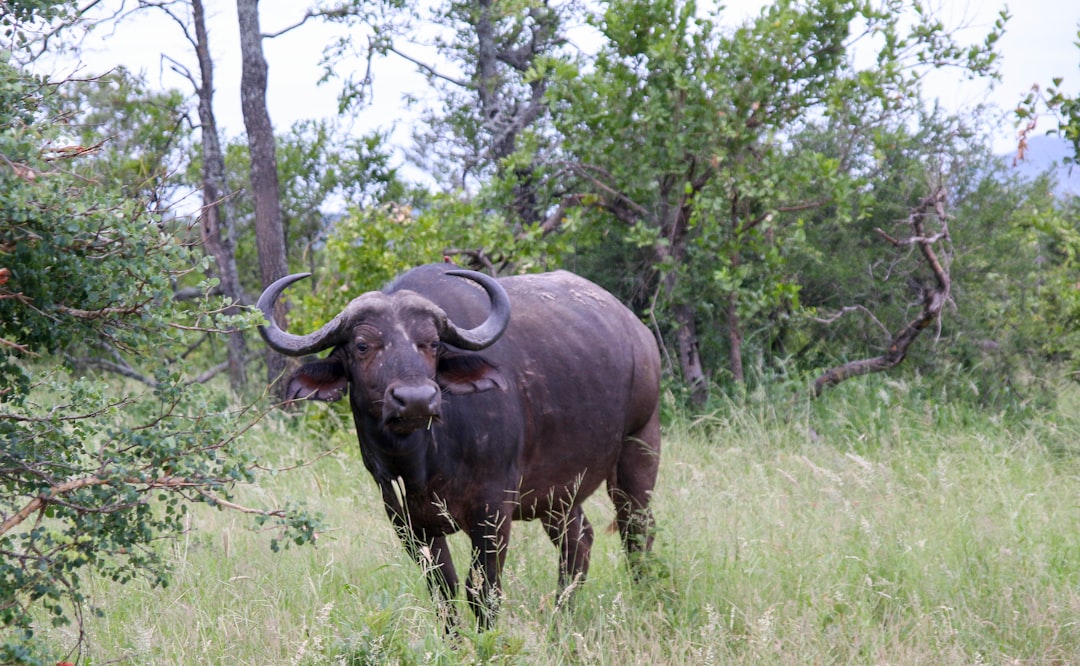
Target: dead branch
pixel 933 298
pixel 335 13
pixel 300 465
pixel 430 70
pixel 101 313
pixel 55 492
pixel 308 15
pixel 621 205
pixel 122 369
pixel 911 241
pixel 847 309
pixel 17 347
pixel 214 500
pixel 553 221
pixel 209 374
pixel 478 258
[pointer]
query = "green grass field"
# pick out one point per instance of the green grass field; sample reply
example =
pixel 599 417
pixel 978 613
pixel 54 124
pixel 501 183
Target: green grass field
pixel 877 525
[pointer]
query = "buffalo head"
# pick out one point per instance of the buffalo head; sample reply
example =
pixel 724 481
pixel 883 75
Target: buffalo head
pixel 390 351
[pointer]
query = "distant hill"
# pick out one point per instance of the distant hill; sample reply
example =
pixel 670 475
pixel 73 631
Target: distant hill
pixel 1046 153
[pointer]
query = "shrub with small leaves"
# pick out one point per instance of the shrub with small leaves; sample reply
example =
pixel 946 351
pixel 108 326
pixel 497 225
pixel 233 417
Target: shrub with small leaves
pixel 95 469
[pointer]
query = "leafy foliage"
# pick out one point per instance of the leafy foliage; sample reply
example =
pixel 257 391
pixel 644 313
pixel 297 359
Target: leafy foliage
pixel 368 247
pixel 131 132
pixel 1046 310
pixel 321 171
pixel 1065 106
pixel 711 157
pixel 94 472
pixel 496 64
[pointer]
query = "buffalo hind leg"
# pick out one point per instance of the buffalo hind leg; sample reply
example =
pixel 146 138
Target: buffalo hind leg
pixel 631 488
pixel 573 536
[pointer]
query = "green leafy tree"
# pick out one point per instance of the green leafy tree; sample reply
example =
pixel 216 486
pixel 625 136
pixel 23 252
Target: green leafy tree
pixel 1053 228
pixel 95 469
pixel 368 247
pixel 1036 322
pixel 1062 104
pixel 684 141
pixel 496 66
pixel 324 173
pixel 136 135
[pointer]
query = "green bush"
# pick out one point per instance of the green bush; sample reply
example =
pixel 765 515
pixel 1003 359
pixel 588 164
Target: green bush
pixel 96 469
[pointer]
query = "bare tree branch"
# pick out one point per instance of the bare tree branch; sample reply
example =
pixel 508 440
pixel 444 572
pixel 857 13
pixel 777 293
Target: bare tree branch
pixel 55 492
pixel 308 15
pixel 181 22
pixel 847 309
pixel 913 240
pixel 933 298
pixel 122 369
pixel 476 258
pixel 622 206
pixel 431 71
pixel 91 315
pixel 182 70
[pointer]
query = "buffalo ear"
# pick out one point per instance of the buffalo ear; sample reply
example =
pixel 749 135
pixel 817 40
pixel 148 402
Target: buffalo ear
pixel 319 380
pixel 467 373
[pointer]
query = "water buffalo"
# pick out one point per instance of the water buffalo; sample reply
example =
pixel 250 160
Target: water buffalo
pixel 469 417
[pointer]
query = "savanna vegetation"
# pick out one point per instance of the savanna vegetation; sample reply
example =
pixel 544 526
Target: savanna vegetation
pixel 869 328
pixel 885 523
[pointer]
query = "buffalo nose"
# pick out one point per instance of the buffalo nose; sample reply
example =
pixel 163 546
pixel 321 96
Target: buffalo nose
pixel 414 400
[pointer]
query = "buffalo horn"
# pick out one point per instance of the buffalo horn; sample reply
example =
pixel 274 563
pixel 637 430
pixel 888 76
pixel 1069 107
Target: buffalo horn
pixel 329 335
pixel 487 333
pixel 287 343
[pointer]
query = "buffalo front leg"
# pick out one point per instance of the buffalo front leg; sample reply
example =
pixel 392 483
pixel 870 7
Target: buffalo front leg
pixel 490 535
pixel 433 556
pixel 573 536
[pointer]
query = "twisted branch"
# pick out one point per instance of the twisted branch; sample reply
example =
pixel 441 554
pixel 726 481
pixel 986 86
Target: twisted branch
pixel 933 298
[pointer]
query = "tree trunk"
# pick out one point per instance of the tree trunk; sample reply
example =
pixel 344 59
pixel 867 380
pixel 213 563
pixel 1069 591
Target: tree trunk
pixel 269 227
pixel 676 230
pixel 217 232
pixel 503 117
pixel 686 340
pixel 734 326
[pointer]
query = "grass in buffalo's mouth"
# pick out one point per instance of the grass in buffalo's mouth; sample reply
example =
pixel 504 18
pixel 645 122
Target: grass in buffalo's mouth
pixel 406 425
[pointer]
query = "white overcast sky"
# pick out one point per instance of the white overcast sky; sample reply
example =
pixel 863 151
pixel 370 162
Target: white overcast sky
pixel 1039 44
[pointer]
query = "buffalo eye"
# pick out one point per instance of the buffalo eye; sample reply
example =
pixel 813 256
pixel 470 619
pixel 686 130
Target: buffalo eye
pixel 361 346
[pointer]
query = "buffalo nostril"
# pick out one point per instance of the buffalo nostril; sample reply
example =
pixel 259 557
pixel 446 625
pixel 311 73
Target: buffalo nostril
pixel 415 400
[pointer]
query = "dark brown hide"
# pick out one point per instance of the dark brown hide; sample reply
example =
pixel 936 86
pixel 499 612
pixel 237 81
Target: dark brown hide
pixel 565 400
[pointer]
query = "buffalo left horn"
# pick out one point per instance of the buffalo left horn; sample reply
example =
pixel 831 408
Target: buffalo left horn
pixel 497 320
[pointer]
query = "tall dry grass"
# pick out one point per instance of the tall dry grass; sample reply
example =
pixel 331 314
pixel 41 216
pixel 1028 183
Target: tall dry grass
pixel 879 525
